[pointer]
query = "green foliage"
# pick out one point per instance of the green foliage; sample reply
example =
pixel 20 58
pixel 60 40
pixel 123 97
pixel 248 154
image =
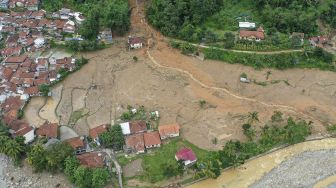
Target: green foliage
pixel 44 89
pixel 90 27
pixel 156 169
pixel 135 58
pixel 115 15
pixel 332 129
pixel 37 158
pixel 308 59
pixel 99 177
pixel 229 40
pixel 82 177
pixel 52 5
pixel 113 138
pixel 186 48
pixel 202 103
pixel 84 46
pixel 179 18
pixel 277 116
pixel 297 132
pixel 71 163
pixel 253 117
pixel 328 13
pixel 243 75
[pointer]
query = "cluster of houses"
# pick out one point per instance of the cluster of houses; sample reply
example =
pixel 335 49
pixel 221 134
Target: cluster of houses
pixel 248 31
pixel 138 139
pixel 28 4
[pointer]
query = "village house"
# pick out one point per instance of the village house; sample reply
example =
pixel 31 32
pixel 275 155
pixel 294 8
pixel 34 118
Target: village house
pixel 21 128
pixel 32 91
pixel 92 159
pixel 318 41
pixel 169 131
pixel 15 59
pixel 133 127
pixel 78 144
pixel 4 4
pixel 64 13
pixel 187 156
pixel 298 35
pixel 247 25
pixel 106 36
pixel 11 51
pixel 42 64
pixel 69 27
pixel 135 143
pixel 38 14
pixel 33 5
pixel 252 35
pixel 48 130
pixel 152 139
pixel 135 42
pixel 6 74
pixel 94 133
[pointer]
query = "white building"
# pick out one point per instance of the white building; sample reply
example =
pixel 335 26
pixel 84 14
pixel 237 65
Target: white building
pixel 125 127
pixel 249 25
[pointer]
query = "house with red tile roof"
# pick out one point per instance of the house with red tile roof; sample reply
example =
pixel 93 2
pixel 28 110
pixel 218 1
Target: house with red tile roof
pixel 11 51
pixel 169 131
pixel 42 64
pixel 318 41
pixel 137 127
pixel 152 139
pixel 94 133
pixel 32 91
pixel 16 59
pixel 48 130
pixel 186 155
pixel 78 144
pixel 12 103
pixel 252 35
pixel 92 159
pixel 135 42
pixel 135 143
pixel 6 74
pixel 21 128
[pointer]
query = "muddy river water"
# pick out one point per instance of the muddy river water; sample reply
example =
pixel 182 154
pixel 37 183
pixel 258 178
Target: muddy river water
pixel 253 170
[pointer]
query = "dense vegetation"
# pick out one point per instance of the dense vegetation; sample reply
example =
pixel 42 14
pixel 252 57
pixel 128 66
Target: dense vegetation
pixel 316 58
pixel 112 14
pixel 113 138
pixel 180 18
pixel 273 134
pixel 187 20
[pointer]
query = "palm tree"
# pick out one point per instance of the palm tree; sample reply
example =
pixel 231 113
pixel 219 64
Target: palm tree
pixel 3 140
pixel 253 117
pixel 13 149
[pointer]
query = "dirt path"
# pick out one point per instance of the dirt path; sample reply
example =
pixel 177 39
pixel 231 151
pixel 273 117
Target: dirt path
pixel 156 38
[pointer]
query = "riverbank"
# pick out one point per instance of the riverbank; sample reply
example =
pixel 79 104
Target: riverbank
pixel 253 170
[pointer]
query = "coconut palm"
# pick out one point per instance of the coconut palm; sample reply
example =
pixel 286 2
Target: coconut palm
pixel 3 141
pixel 13 149
pixel 253 117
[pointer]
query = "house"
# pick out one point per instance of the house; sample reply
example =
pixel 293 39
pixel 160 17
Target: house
pixel 4 4
pixel 69 28
pixel 187 156
pixel 33 5
pixel 106 36
pixel 252 35
pixel 135 143
pixel 21 128
pixel 169 131
pixel 79 18
pixel 92 159
pixel 32 91
pixel 42 64
pixel 39 42
pixel 38 14
pixel 12 103
pixel 247 25
pixel 15 59
pixel 135 42
pixel 318 41
pixel 137 127
pixel 96 132
pixel 64 13
pixel 125 127
pixel 77 143
pixel 152 139
pixel 48 130
pixel 6 74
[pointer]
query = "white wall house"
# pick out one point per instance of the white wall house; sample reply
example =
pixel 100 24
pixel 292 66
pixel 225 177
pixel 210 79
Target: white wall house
pixel 125 127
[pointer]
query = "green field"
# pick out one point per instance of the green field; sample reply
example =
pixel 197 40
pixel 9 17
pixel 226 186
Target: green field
pixel 153 163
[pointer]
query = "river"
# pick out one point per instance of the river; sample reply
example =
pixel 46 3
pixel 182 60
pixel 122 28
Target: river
pixel 253 170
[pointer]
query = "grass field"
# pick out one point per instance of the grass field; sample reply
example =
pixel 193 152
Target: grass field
pixel 153 163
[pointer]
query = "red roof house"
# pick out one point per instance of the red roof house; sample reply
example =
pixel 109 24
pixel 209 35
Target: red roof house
pixel 48 130
pixel 186 155
pixel 92 160
pixel 135 143
pixel 137 127
pixel 152 139
pixel 169 131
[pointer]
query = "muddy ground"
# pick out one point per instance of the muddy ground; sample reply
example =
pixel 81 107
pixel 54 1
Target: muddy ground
pixel 163 79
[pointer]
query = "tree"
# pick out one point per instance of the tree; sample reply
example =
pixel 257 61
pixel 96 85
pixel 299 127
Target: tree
pixel 37 158
pixel 297 132
pixel 277 116
pixel 249 132
pixel 44 89
pixel 13 149
pixel 71 164
pixel 253 117
pixel 83 177
pixel 229 40
pixel 90 27
pixel 116 16
pixel 100 177
pixel 113 138
pixel 57 155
